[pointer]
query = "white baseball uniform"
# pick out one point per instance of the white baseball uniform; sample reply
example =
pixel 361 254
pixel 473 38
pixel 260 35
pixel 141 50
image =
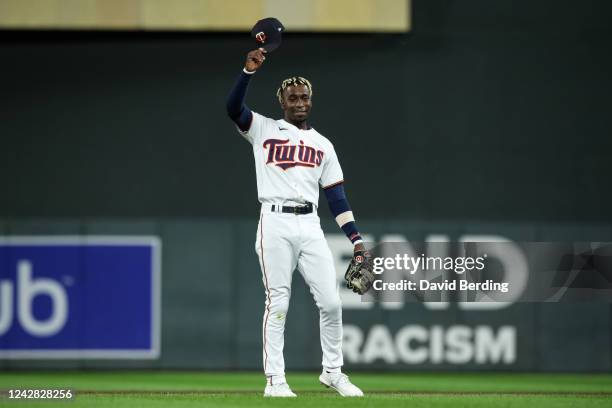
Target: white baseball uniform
pixel 291 164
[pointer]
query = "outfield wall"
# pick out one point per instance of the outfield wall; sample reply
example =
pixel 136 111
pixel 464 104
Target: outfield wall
pixel 212 303
pixel 479 114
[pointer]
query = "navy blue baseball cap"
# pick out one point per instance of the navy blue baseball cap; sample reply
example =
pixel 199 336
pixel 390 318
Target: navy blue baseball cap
pixel 268 33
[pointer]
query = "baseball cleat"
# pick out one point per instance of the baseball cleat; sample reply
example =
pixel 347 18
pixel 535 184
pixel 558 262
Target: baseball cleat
pixel 341 383
pixel 279 390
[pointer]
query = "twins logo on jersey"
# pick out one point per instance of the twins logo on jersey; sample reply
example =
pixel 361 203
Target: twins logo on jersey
pixel 283 154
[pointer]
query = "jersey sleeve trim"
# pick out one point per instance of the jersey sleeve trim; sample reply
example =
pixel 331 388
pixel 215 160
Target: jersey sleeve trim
pixel 333 184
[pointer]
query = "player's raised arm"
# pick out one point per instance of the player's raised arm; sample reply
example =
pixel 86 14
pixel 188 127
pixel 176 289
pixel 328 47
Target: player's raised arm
pixel 236 109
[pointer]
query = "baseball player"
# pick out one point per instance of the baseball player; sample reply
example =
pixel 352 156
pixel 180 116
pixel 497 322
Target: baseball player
pixel 292 160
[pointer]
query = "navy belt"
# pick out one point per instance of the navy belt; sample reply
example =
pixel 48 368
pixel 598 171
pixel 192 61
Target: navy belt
pixel 304 209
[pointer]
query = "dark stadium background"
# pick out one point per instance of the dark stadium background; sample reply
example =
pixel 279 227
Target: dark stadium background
pixel 480 120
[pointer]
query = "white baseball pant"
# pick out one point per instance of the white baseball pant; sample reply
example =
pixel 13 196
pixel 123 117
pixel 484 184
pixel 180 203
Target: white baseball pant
pixel 286 242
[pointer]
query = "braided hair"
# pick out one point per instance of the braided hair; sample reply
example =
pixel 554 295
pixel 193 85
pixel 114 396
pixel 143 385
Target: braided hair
pixel 293 81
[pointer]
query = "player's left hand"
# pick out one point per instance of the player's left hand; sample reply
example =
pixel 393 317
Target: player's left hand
pixel 359 276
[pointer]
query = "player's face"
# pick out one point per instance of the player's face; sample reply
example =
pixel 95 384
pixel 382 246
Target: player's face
pixel 296 103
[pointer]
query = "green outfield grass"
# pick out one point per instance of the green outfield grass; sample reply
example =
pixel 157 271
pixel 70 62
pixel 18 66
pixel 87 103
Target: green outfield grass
pixel 194 389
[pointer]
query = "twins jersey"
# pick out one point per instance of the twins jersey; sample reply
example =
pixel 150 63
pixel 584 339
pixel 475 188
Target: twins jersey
pixel 291 163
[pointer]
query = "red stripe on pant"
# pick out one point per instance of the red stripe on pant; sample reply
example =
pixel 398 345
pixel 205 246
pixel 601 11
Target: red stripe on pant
pixel 267 312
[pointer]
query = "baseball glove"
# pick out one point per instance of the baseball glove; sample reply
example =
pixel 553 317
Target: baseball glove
pixel 359 276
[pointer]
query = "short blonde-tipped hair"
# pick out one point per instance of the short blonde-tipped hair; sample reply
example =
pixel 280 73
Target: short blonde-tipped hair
pixel 293 81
